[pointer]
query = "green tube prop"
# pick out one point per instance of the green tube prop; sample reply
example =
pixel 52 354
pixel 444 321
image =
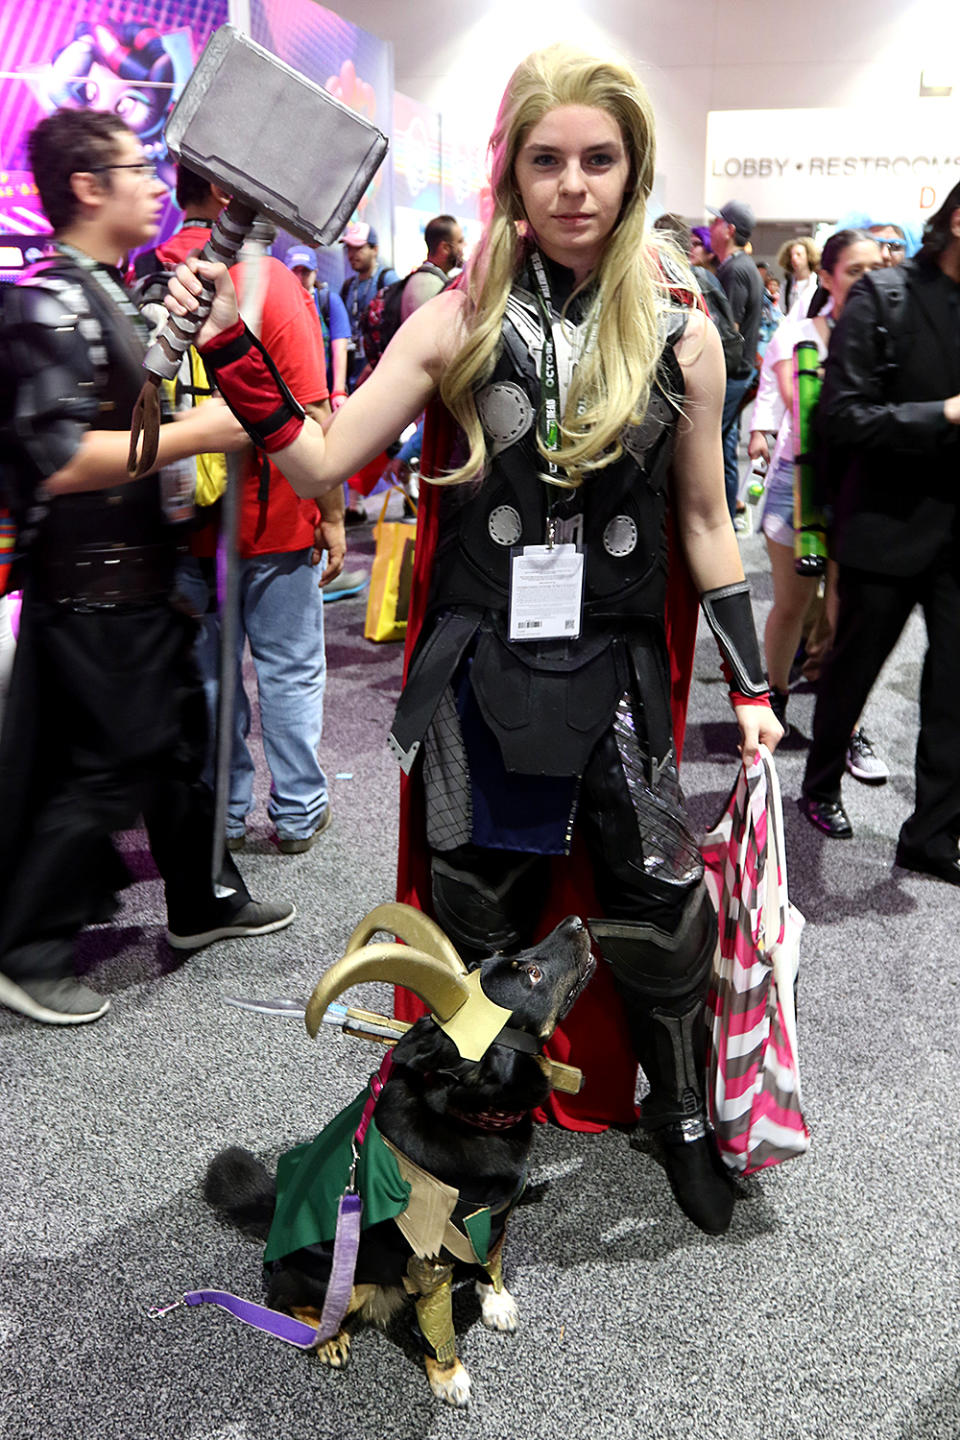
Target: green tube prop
pixel 809 523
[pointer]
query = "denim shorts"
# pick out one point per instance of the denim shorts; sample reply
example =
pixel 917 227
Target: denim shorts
pixel 777 523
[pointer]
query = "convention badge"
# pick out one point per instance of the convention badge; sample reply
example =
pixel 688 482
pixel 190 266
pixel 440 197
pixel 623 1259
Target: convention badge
pixel 546 592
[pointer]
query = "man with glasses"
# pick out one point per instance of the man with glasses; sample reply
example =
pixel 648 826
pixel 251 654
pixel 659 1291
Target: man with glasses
pixel 892 242
pixel 105 718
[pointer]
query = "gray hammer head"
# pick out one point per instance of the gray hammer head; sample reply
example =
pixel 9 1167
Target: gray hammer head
pixel 274 139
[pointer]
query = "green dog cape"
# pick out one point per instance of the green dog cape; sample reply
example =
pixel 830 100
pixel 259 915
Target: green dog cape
pixel 312 1178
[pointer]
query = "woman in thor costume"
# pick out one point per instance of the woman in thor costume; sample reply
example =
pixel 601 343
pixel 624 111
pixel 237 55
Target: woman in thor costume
pixel 574 396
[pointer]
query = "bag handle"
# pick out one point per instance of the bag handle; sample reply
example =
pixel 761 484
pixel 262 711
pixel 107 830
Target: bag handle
pixel 773 899
pixel 386 501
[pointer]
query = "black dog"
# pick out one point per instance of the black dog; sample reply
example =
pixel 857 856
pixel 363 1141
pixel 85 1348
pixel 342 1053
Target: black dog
pixel 465 1124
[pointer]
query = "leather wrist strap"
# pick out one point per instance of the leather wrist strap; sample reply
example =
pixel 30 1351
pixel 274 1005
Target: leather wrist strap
pixel 253 388
pixel 730 617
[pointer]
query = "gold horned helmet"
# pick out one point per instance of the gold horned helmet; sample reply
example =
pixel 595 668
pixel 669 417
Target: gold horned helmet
pixel 428 964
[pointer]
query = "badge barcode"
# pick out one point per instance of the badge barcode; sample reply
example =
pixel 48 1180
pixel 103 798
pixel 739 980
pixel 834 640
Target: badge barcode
pixel 529 624
pixel 569 624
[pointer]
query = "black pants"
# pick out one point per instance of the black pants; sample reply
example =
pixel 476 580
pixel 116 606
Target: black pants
pixel 106 722
pixel 619 841
pixel 873 610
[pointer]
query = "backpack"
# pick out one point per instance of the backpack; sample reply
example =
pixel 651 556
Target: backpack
pixel 718 308
pixel 381 320
pixel 890 291
pixel 894 336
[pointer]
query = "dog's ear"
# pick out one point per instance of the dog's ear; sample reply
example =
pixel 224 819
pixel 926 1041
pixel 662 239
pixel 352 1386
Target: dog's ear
pixel 425 1047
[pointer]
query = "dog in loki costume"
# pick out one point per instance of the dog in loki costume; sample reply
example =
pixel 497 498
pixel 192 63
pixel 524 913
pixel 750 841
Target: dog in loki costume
pixel 437 1145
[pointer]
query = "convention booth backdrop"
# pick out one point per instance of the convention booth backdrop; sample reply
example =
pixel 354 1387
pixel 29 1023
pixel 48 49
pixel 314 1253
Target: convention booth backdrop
pixel 81 53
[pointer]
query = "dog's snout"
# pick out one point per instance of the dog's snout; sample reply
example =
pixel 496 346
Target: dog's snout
pixel 571 925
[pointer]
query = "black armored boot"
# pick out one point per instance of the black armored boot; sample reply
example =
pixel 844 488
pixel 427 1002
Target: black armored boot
pixel 661 979
pixel 670 1048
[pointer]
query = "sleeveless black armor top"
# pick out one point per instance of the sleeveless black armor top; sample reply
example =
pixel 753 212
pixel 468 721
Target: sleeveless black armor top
pixel 548 701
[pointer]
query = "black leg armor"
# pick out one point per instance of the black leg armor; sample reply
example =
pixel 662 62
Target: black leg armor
pixel 487 900
pixel 661 977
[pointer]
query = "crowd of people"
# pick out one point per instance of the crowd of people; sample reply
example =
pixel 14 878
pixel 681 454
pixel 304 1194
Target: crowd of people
pixel 584 383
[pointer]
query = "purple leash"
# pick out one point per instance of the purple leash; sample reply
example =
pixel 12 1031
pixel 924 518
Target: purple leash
pixel 346 1245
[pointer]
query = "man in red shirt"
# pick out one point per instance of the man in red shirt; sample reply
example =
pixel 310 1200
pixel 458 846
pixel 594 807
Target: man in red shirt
pixel 280 540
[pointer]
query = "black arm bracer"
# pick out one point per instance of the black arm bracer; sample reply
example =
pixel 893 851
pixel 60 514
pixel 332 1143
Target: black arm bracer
pixel 49 381
pixel 730 617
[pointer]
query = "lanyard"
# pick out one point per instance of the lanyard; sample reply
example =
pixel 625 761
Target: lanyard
pixel 367 280
pixel 548 420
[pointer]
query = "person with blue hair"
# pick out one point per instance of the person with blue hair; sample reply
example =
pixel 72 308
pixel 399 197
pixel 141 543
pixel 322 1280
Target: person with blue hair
pixel 898 239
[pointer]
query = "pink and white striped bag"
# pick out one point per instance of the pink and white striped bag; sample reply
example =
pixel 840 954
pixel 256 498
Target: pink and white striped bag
pixel 753 1074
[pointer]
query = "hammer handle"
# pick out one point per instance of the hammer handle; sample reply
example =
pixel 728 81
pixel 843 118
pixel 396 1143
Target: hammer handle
pixel 227 236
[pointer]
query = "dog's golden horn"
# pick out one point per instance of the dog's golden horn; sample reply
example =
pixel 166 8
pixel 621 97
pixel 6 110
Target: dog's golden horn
pixel 456 1002
pixel 412 927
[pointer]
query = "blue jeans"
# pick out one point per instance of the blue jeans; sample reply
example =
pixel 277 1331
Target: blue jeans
pixel 281 614
pixel 730 430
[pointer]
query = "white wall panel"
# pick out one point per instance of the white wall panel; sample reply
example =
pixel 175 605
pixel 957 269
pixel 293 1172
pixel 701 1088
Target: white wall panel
pixel 695 55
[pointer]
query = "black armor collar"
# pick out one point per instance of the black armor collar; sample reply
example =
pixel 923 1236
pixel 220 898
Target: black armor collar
pixel 563 282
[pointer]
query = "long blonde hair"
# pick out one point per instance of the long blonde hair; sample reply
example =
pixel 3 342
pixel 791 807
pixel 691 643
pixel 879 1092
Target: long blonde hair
pixel 612 382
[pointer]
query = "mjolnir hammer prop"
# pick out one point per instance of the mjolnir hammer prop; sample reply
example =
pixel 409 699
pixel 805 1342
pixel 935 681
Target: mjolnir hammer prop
pixel 249 123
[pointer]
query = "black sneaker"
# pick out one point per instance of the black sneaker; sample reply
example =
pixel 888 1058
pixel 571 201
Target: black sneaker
pixel 255 918
pixel 54 1002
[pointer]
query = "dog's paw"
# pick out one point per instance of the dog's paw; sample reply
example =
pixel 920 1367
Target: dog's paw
pixel 498 1312
pixel 335 1352
pixel 448 1382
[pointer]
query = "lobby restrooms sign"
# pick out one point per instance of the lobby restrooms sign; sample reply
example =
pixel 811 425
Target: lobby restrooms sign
pixel 824 163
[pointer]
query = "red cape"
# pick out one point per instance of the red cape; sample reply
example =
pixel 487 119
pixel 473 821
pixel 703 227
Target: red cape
pixel 594 1035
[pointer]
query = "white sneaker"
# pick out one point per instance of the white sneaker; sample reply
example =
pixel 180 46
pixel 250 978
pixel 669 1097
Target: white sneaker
pixel 863 763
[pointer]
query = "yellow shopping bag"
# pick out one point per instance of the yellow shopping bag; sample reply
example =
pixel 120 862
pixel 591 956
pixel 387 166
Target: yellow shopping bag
pixel 388 601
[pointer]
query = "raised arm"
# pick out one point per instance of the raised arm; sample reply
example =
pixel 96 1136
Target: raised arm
pixel 313 462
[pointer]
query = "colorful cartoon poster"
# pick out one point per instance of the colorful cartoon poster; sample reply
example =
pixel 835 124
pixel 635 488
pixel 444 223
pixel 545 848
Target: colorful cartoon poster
pixel 466 185
pixel 85 53
pixel 416 178
pixel 357 68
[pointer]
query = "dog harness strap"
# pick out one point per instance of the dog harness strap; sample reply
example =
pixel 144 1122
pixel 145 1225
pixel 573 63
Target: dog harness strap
pixel 377 1082
pixel 271 1322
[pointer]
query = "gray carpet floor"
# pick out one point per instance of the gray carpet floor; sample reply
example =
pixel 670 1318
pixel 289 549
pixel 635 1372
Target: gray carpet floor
pixel 829 1312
